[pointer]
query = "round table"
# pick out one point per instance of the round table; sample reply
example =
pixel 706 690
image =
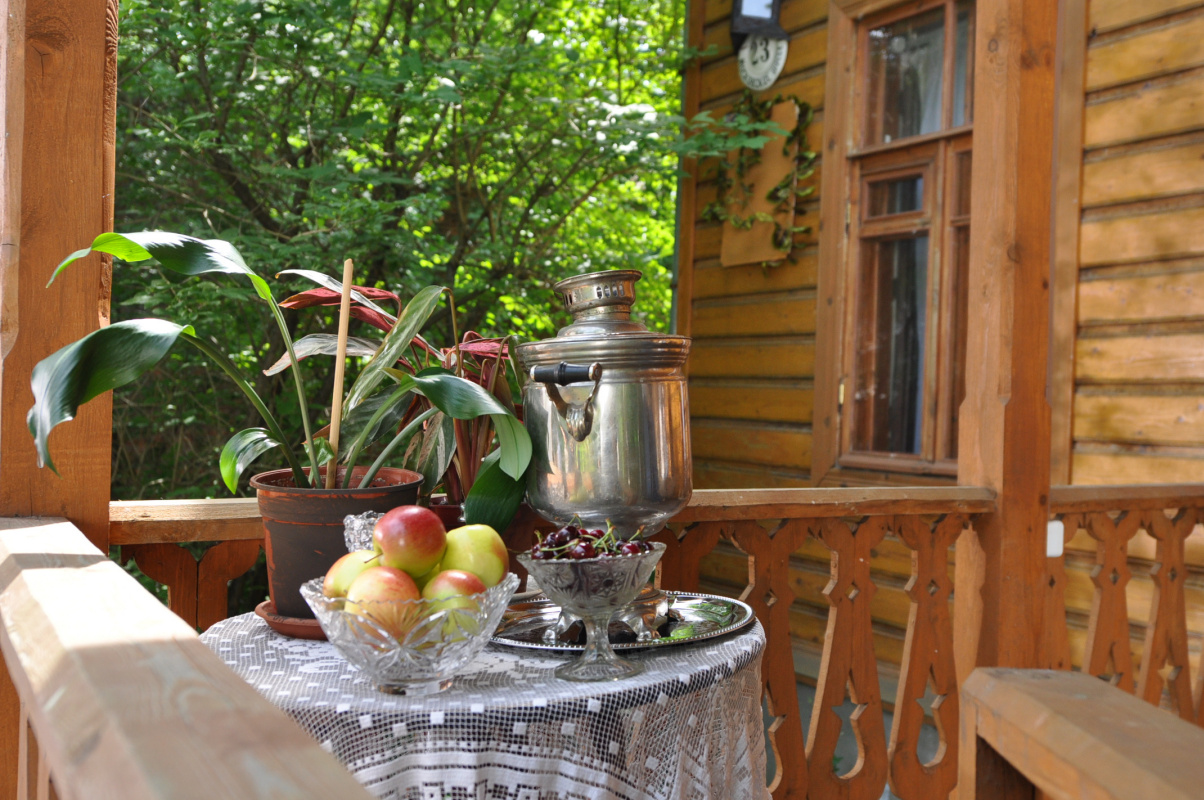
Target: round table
pixel 690 727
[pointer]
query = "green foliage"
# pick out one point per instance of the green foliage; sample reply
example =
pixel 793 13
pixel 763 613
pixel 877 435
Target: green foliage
pixel 491 148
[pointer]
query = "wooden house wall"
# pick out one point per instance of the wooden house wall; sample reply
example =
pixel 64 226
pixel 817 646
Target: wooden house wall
pixel 1136 408
pixel 1138 402
pixel 753 360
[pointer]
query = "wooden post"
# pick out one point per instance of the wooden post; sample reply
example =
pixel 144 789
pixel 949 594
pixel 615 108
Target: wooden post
pixel 56 194
pixel 1004 434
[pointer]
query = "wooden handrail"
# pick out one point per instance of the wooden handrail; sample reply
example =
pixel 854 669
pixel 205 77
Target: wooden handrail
pixel 164 521
pixel 122 697
pixel 1071 736
pixel 1132 497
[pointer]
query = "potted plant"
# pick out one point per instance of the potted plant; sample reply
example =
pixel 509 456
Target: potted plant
pixel 455 455
pixel 377 406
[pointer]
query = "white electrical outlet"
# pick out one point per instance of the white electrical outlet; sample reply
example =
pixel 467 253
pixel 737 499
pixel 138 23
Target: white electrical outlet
pixel 1055 534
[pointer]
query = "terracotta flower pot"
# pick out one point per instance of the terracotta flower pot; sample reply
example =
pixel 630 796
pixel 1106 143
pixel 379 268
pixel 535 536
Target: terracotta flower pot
pixel 303 526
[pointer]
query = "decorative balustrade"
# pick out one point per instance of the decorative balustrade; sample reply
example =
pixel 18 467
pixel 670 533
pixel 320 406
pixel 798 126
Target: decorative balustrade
pixel 1150 528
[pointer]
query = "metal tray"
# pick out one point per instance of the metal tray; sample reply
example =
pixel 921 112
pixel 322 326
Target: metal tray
pixel 693 618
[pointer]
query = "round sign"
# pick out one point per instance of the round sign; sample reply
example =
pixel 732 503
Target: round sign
pixel 761 60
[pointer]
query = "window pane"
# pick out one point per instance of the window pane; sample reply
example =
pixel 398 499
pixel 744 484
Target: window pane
pixel 906 59
pixel 896 196
pixel 888 401
pixel 961 277
pixel 962 53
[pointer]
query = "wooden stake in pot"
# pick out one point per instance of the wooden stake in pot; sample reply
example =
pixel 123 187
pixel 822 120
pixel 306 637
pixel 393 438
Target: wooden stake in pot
pixel 336 405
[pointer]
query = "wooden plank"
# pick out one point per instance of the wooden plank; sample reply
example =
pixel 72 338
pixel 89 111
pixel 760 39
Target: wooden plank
pixel 10 733
pixel 794 16
pixel 807 49
pixel 685 254
pixel 69 108
pixel 1140 359
pixel 1143 237
pixel 1162 465
pixel 1074 736
pixel 1158 108
pixel 753 315
pixel 722 504
pixel 777 357
pixel 1002 584
pixel 713 280
pixel 1076 499
pixel 221 564
pixel 720 475
pixel 771 444
pixel 1178 295
pixel 12 100
pixel 126 700
pixel 1144 419
pixel 750 193
pixel 1176 46
pixel 1108 15
pixel 807 86
pixel 1144 174
pixel 766 400
pixel 155 521
pixel 1067 179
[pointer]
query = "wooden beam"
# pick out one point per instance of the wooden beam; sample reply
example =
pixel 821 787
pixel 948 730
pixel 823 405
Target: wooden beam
pixel 1077 499
pixel 161 521
pixel 125 699
pixel 1072 736
pixel 57 194
pixel 683 296
pixel 1002 581
pixel 1068 180
pixel 747 504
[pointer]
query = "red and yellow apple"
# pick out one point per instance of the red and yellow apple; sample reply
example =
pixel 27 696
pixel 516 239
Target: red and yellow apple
pixel 347 569
pixel 410 538
pixel 479 550
pixel 373 593
pixel 453 590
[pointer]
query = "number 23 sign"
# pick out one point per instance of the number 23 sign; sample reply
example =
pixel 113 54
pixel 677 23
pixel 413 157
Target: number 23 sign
pixel 761 60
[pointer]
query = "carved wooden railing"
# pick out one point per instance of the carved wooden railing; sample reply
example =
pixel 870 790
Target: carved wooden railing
pixel 1147 528
pixel 767 526
pixel 106 693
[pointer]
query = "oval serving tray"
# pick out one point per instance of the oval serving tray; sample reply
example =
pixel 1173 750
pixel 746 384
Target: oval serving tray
pixel 693 618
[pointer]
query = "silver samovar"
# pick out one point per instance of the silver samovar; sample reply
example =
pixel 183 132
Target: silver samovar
pixel 608 414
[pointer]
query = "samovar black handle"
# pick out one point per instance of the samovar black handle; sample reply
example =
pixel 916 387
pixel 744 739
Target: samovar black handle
pixel 578 419
pixel 565 373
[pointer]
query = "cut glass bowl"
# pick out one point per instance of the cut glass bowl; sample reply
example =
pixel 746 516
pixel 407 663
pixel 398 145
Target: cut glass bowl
pixel 357 530
pixel 439 636
pixel 595 589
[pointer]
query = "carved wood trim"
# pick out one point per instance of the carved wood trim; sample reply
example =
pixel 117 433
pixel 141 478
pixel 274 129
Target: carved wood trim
pixel 1165 663
pixel 1108 630
pixel 848 663
pixel 927 658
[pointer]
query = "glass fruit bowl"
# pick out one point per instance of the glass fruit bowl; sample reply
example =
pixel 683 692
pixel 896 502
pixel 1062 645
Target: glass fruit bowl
pixel 594 589
pixel 411 646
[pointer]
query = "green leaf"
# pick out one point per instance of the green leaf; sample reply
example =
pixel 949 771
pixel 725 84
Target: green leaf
pixel 243 448
pixel 495 496
pixel 324 451
pixel 363 425
pixel 103 360
pixel 176 252
pixel 463 399
pixel 323 344
pixel 412 318
pixel 438 448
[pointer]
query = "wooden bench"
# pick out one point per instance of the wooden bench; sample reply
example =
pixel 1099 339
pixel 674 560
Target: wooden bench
pixel 1071 736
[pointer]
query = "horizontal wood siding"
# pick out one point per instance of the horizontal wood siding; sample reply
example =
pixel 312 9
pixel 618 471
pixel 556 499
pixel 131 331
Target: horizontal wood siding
pixel 1138 411
pixel 753 362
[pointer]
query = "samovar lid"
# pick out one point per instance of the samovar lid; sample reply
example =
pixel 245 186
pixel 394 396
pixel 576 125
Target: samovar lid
pixel 602 328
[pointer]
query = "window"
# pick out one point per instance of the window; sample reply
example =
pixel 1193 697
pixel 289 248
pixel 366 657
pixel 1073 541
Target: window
pixel 903 257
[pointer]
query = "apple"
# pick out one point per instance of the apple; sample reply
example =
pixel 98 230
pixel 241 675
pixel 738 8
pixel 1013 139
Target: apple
pixel 409 538
pixel 479 550
pixel 345 570
pixel 453 589
pixel 379 594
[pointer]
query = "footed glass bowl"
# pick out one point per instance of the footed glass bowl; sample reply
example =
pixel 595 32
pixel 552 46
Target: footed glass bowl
pixel 594 589
pixel 411 646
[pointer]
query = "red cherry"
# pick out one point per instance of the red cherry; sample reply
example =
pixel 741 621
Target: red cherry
pixel 583 548
pixel 630 549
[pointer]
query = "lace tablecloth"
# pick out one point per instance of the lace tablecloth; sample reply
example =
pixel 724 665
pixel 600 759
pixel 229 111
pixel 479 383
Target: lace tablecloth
pixel 688 728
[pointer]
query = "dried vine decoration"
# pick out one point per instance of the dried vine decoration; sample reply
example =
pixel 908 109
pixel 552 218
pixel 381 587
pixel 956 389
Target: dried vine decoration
pixel 785 196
